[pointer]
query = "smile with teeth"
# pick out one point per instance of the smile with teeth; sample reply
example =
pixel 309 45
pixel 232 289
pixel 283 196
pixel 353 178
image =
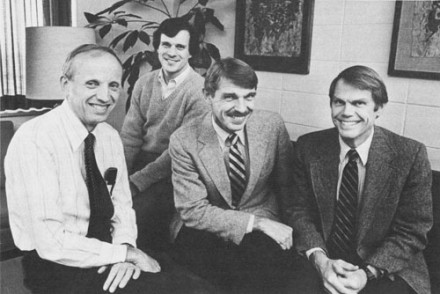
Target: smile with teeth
pixel 348 123
pixel 100 107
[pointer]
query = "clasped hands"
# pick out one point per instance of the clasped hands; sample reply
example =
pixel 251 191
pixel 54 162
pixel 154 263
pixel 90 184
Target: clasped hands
pixel 338 276
pixel 281 233
pixel 121 273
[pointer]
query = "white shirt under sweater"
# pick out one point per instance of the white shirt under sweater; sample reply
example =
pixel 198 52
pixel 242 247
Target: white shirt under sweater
pixel 47 195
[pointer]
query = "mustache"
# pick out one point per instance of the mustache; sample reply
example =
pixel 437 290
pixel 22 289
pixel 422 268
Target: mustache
pixel 238 113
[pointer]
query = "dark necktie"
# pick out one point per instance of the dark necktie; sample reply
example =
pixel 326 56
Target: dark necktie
pixel 101 206
pixel 342 240
pixel 237 169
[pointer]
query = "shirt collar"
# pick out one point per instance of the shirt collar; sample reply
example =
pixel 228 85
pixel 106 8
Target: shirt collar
pixel 75 130
pixel 223 135
pixel 178 80
pixel 362 149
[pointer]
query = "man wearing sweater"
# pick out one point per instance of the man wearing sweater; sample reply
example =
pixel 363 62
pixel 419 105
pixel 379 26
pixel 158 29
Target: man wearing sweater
pixel 162 101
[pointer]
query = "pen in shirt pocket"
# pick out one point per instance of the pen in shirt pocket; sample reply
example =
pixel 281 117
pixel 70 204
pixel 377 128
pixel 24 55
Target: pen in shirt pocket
pixel 110 177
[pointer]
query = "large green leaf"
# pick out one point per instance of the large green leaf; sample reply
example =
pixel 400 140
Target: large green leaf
pixel 114 7
pixel 130 40
pixel 144 37
pixel 117 39
pixel 91 18
pixel 104 30
pixel 213 51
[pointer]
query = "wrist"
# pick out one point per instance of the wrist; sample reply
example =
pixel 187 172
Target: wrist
pixel 371 272
pixel 318 258
pixel 256 224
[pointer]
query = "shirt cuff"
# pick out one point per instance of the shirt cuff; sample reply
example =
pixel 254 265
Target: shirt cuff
pixel 119 254
pixel 310 251
pixel 250 225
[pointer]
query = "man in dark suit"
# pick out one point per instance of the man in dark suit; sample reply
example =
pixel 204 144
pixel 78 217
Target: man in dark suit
pixel 229 169
pixel 362 204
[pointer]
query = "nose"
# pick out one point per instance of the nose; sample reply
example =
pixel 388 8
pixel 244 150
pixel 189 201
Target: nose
pixel 171 51
pixel 240 105
pixel 103 94
pixel 348 109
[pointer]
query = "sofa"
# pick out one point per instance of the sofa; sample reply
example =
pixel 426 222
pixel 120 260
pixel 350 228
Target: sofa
pixel 11 278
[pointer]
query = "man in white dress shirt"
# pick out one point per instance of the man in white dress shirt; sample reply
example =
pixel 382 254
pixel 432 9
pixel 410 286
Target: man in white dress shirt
pixel 78 229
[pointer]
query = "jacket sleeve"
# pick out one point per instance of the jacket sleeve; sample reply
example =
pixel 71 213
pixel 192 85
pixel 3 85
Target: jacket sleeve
pixel 412 220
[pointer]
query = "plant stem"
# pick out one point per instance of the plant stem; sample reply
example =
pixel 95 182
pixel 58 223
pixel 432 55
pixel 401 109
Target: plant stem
pixel 178 8
pixel 160 10
pixel 166 8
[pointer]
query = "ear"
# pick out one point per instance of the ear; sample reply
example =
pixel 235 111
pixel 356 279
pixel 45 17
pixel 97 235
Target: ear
pixel 207 95
pixel 379 111
pixel 64 83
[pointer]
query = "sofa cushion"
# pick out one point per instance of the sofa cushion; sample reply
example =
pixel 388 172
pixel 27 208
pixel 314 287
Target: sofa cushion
pixel 6 241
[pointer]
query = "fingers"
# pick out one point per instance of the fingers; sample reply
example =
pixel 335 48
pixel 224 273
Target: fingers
pixel 341 267
pixel 102 269
pixel 137 273
pixel 153 265
pixel 280 233
pixel 119 276
pixel 124 280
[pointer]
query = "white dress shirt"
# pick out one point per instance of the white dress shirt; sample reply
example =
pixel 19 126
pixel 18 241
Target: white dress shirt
pixel 168 88
pixel 222 136
pixel 47 195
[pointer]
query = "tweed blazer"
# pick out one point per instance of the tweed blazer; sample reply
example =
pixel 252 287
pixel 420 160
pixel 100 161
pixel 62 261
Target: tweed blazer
pixel 202 190
pixel 396 205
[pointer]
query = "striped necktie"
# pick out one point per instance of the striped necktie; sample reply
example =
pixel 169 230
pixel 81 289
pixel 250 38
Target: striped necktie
pixel 237 169
pixel 342 240
pixel 101 206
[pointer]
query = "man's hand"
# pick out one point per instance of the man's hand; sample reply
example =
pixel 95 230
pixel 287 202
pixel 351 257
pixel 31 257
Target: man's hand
pixel 119 275
pixel 142 260
pixel 281 233
pixel 355 280
pixel 336 274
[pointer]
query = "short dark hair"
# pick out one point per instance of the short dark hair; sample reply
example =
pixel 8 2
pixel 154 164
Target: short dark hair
pixel 171 27
pixel 85 48
pixel 363 78
pixel 238 72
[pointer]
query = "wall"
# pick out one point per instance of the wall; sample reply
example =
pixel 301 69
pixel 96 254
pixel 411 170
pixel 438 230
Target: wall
pixel 345 32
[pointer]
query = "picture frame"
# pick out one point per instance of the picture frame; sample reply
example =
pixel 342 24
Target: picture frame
pixel 415 46
pixel 274 35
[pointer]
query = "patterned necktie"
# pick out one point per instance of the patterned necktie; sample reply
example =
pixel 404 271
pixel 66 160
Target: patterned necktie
pixel 341 243
pixel 101 206
pixel 237 169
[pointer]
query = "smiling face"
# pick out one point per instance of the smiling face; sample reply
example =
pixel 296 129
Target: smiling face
pixel 174 53
pixel 354 113
pixel 94 87
pixel 232 105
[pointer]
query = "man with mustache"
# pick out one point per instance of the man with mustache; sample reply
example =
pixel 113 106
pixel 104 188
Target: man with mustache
pixel 162 101
pixel 231 170
pixel 76 226
pixel 362 204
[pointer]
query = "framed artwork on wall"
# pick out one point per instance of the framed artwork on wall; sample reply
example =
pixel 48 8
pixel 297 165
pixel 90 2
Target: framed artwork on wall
pixel 415 47
pixel 274 35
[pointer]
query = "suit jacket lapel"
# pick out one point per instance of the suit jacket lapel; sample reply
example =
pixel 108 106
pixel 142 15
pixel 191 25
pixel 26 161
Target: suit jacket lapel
pixel 379 170
pixel 324 172
pixel 212 158
pixel 257 143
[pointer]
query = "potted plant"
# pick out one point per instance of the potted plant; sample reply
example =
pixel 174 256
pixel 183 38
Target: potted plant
pixel 198 16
